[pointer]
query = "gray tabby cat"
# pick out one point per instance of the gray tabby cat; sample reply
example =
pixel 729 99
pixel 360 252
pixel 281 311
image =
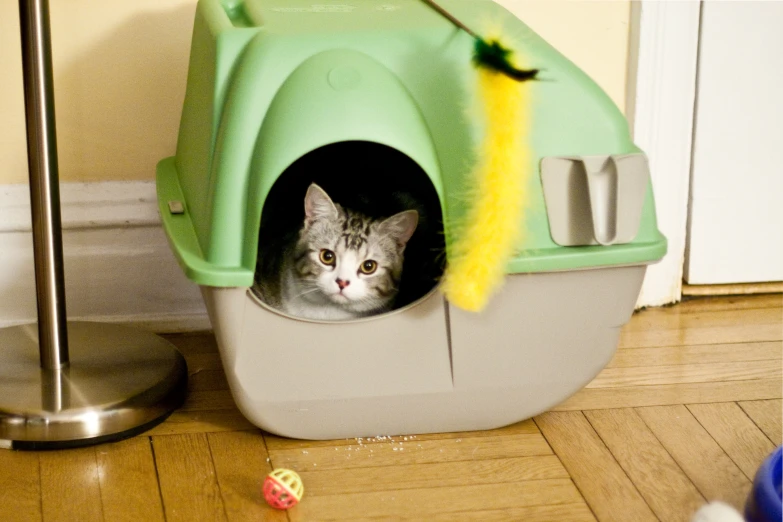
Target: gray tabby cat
pixel 343 265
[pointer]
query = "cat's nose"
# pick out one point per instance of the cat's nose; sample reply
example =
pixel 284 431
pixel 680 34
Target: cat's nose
pixel 342 284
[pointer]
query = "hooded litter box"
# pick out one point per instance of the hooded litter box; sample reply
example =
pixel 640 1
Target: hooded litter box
pixel 377 95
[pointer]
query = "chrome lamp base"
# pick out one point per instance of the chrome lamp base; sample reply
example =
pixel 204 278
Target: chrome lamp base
pixel 120 382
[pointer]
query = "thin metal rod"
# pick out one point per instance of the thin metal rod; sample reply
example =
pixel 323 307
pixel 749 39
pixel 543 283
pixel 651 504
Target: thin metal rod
pixel 450 17
pixel 44 182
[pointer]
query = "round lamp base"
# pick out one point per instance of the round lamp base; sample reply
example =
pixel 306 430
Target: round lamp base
pixel 120 382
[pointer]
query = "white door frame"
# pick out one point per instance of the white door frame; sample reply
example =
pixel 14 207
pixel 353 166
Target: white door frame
pixel 661 96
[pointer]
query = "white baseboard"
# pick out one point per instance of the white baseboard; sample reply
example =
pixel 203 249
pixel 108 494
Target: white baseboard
pixel 662 91
pixel 118 264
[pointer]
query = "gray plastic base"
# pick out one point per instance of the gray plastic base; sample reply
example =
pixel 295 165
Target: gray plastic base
pixel 429 367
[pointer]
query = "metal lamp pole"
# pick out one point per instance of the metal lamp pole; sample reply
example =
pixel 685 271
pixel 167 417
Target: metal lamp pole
pixel 71 384
pixel 44 183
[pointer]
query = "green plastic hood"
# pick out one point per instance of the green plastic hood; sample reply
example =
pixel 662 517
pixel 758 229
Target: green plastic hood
pixel 335 96
pixel 270 81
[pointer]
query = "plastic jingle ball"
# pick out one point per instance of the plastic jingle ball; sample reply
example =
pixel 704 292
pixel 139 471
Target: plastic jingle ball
pixel 283 488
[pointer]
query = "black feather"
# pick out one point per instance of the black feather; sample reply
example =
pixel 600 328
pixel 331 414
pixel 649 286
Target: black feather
pixel 493 55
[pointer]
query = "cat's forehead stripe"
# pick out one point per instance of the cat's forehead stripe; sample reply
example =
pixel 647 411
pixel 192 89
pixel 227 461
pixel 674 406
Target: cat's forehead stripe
pixel 353 241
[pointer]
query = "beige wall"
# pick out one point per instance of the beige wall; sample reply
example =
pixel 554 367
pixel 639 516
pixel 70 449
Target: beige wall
pixel 594 34
pixel 120 69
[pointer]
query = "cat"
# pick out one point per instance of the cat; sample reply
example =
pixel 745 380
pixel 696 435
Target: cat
pixel 340 265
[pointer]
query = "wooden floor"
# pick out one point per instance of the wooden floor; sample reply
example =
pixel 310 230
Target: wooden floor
pixel 685 412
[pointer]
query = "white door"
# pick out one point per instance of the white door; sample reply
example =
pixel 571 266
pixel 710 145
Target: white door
pixel 735 230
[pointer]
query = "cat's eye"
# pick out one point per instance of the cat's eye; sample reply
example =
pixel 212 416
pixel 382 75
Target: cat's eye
pixel 327 257
pixel 369 266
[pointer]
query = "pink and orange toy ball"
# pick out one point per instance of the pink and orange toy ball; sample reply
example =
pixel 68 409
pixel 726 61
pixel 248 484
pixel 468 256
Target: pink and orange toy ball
pixel 283 488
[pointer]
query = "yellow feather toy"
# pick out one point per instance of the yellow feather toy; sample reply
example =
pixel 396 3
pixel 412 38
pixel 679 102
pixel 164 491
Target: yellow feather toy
pixel 493 224
pixel 478 258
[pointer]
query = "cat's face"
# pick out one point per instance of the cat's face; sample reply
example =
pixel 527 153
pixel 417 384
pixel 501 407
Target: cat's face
pixel 349 259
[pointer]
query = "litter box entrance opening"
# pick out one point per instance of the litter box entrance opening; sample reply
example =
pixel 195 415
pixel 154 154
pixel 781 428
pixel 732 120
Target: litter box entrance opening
pixel 374 179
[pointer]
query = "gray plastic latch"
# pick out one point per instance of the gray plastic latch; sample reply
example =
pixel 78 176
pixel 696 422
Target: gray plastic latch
pixel 594 200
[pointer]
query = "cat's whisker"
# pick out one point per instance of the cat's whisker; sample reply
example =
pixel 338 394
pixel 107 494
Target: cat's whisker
pixel 306 292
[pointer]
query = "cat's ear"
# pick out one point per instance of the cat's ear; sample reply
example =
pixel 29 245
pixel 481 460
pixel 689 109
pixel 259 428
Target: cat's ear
pixel 318 205
pixel 401 226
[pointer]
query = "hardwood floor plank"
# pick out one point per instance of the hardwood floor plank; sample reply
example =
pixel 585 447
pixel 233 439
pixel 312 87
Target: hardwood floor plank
pixel 669 394
pixel 767 416
pixel 406 453
pixel 422 476
pixel 209 400
pixel 697 453
pixel 558 513
pixel 20 486
pixel 714 304
pixel 274 442
pixel 193 343
pixel 70 486
pixel 202 421
pixel 667 490
pixel 203 361
pixel 736 433
pixel 563 513
pixel 694 373
pixel 607 489
pixel 241 463
pixel 207 380
pixel 129 482
pixel 709 335
pixel 422 504
pixel 187 478
pixel 696 354
pixel 683 321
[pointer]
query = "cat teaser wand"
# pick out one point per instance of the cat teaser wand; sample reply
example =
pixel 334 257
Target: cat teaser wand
pixel 492 226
